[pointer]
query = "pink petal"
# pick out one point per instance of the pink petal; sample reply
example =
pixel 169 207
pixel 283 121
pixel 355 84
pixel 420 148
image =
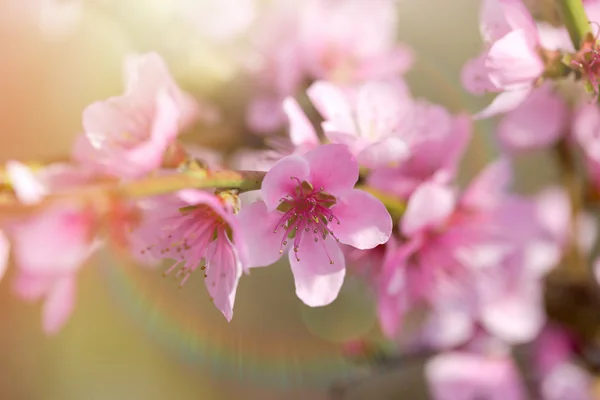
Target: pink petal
pixel 333 105
pixel 499 17
pixel 196 197
pixel 31 287
pixel 381 107
pixel 387 151
pixel 165 127
pixel 464 376
pixel 515 316
pixel 489 187
pixel 351 140
pixel 475 78
pixel 224 270
pixel 59 305
pixel 27 186
pixel 504 102
pixel 394 62
pixel 332 167
pixel 513 62
pixel 322 257
pixel 449 327
pixel 148 74
pixel 390 313
pixel 317 290
pixel 364 221
pixel 60 237
pixel 256 227
pixel 302 132
pixel 265 114
pixel 428 207
pixel 537 123
pixel 278 182
pixel 554 38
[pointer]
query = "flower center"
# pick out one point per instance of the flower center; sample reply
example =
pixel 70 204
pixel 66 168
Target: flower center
pixel 306 211
pixel 186 237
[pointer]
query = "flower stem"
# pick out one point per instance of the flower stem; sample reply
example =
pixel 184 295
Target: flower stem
pixel 575 20
pixel 243 181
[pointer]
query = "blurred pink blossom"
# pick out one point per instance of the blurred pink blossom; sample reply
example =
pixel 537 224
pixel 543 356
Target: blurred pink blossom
pixel 539 122
pixel 463 375
pixel 346 42
pixel 510 63
pixel 49 248
pixel 469 259
pixel 126 136
pixel 311 201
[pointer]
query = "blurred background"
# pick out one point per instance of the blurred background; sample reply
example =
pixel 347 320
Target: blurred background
pixel 134 334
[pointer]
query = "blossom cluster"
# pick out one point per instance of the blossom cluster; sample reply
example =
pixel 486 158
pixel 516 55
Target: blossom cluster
pixel 368 186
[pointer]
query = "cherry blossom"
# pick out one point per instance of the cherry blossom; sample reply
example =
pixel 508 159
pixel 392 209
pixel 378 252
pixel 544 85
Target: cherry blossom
pixel 199 231
pixel 309 204
pixel 510 64
pixel 127 135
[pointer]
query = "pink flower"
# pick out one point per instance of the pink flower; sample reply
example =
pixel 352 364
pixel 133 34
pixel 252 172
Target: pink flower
pixel 49 248
pixel 436 143
pixel 371 121
pixel 345 42
pixel 309 204
pixel 127 135
pixel 461 264
pixel 510 64
pixel 539 122
pixel 468 376
pixel 198 230
pixel 352 41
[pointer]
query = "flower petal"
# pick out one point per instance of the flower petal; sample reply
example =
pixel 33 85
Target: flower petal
pixel 465 376
pixel 196 197
pixel 60 237
pixel 313 289
pixel 302 132
pixel 504 102
pixel 428 207
pixel 332 167
pixel 321 257
pixel 499 17
pixel 256 228
pixel 489 187
pixel 513 61
pixel 515 316
pixel 364 221
pixel 223 271
pixel 333 105
pixel 278 182
pixel 390 150
pixel 475 78
pixel 28 188
pixel 165 127
pixel 59 305
pixel 537 123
